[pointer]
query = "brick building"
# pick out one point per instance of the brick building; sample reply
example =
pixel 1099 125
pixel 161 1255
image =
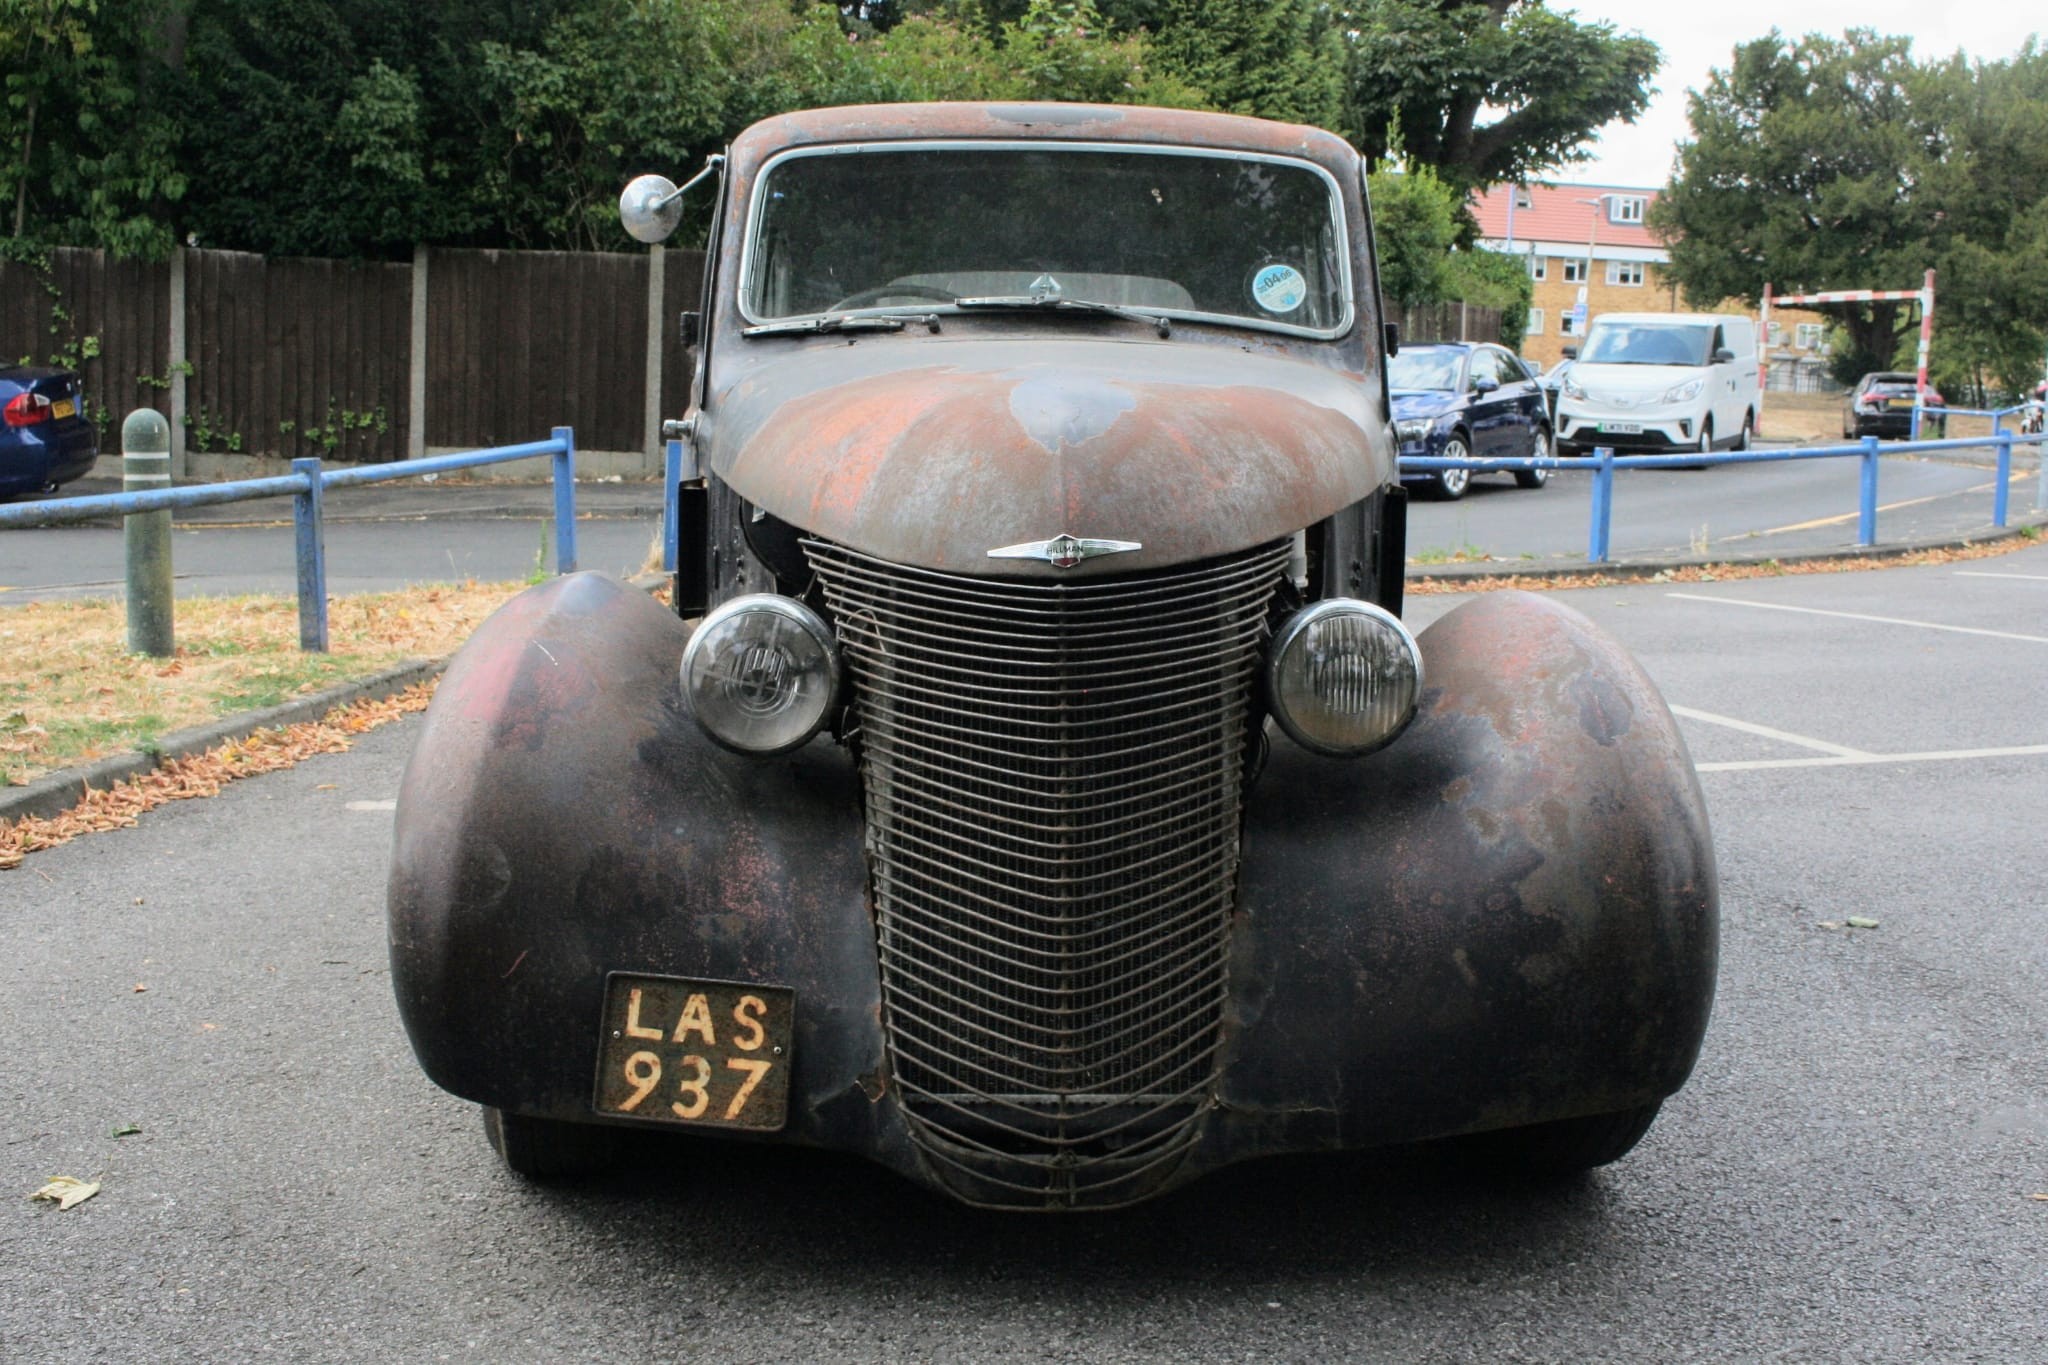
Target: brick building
pixel 1588 243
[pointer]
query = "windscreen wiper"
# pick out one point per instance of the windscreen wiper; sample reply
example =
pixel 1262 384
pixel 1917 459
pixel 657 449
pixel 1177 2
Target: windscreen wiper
pixel 842 322
pixel 1054 301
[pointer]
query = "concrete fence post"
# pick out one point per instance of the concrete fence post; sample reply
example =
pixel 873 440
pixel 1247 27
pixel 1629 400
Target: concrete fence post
pixel 1601 522
pixel 145 468
pixel 416 362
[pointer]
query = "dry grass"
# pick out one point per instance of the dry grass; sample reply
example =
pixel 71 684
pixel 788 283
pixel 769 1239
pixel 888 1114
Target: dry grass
pixel 180 779
pixel 70 692
pixel 1816 419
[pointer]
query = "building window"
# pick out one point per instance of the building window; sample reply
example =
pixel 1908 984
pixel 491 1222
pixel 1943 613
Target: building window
pixel 1777 335
pixel 1522 200
pixel 1574 270
pixel 1535 327
pixel 1539 267
pixel 1565 327
pixel 1810 335
pixel 1626 208
pixel 1624 272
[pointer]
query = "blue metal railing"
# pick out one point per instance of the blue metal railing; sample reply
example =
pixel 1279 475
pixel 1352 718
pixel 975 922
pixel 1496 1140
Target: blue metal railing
pixel 1604 462
pixel 306 485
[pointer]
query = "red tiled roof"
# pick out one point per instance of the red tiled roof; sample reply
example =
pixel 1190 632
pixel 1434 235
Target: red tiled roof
pixel 1554 214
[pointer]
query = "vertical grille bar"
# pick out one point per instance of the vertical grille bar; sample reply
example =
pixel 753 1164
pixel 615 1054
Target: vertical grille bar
pixel 1054 779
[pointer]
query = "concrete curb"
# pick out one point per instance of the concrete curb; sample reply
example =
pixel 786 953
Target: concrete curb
pixel 55 793
pixel 1650 568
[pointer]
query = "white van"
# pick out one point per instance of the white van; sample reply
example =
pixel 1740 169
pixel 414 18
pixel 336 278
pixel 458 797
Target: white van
pixel 1661 382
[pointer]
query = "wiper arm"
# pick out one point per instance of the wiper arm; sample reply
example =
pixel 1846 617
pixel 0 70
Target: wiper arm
pixel 842 322
pixel 1163 324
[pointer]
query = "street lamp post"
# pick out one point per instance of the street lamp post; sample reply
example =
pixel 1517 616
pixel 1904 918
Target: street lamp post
pixel 1586 278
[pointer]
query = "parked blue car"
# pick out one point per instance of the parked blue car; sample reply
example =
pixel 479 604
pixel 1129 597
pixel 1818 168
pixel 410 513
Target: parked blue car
pixel 45 437
pixel 1459 399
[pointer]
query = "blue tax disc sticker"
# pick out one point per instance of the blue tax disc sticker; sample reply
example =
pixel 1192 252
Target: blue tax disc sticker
pixel 1279 288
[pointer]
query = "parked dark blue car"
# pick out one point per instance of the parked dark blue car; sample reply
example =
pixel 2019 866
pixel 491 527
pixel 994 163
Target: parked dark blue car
pixel 1454 399
pixel 45 437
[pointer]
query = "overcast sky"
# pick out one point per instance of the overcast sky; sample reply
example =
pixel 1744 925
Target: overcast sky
pixel 1697 35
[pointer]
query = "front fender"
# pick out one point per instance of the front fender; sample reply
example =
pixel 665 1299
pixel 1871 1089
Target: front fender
pixel 1506 917
pixel 562 817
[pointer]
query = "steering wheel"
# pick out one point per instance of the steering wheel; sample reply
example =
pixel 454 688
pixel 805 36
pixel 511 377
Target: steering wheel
pixel 931 293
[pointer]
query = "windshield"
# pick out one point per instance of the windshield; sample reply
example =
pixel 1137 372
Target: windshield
pixel 1630 343
pixel 918 227
pixel 1425 367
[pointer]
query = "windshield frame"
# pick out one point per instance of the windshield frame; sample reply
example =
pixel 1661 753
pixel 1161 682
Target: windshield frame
pixel 757 205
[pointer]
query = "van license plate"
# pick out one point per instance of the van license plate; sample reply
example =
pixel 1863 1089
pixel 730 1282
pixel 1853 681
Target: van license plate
pixel 1622 428
pixel 709 1053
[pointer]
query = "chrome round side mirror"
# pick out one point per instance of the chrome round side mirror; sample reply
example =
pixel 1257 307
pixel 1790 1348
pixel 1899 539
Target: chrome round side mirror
pixel 650 207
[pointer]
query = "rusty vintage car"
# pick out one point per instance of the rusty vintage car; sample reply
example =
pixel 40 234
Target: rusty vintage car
pixel 1036 790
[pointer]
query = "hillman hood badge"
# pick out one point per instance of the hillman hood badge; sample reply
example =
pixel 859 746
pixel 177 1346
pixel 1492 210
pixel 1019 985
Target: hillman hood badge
pixel 1065 551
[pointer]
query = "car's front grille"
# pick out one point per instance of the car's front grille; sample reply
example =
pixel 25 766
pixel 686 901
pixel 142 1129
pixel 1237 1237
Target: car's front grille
pixel 1053 776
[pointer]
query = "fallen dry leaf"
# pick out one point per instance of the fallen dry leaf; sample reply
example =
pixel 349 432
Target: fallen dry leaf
pixel 2043 1197
pixel 66 1191
pixel 140 988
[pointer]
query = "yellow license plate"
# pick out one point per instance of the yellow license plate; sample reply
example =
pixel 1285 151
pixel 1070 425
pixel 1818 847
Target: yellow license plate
pixel 63 407
pixel 681 1051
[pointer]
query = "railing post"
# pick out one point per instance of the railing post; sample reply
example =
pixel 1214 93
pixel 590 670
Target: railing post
pixel 565 501
pixel 1866 503
pixel 2001 499
pixel 146 466
pixel 311 538
pixel 671 505
pixel 1603 505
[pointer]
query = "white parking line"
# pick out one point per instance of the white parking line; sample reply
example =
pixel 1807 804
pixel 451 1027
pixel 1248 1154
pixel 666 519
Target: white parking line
pixel 372 805
pixel 1840 750
pixel 1858 616
pixel 1845 760
pixel 2030 577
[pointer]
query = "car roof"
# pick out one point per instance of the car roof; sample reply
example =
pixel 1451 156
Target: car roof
pixel 1088 123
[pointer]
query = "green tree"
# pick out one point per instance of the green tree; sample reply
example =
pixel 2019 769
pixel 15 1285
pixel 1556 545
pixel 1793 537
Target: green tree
pixel 1841 163
pixel 1417 220
pixel 1423 74
pixel 89 151
pixel 1277 59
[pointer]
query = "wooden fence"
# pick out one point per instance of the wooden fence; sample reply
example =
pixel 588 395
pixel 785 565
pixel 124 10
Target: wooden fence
pixel 289 357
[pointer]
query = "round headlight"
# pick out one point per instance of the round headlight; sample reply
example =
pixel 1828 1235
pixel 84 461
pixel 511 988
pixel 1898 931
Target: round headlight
pixel 1343 677
pixel 760 674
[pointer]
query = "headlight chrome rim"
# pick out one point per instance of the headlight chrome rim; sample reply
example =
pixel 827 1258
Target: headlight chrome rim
pixel 811 670
pixel 1292 632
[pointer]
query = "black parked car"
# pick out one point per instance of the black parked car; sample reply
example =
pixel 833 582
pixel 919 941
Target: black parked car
pixel 1456 398
pixel 1882 405
pixel 45 437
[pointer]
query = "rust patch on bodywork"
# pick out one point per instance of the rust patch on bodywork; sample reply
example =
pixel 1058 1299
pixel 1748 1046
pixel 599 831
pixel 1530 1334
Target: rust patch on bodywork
pixel 994 442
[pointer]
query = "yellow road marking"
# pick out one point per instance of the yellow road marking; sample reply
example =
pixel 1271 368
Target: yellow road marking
pixel 1887 507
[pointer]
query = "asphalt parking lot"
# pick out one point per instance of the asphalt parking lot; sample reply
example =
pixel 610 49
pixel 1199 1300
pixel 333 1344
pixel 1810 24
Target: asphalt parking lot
pixel 1848 1177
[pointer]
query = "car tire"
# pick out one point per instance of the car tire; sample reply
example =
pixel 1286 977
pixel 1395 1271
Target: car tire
pixel 1551 1151
pixel 549 1149
pixel 1536 478
pixel 1705 445
pixel 1450 484
pixel 1748 436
